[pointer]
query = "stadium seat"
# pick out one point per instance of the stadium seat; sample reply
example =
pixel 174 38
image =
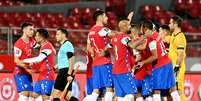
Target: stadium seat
pixel 180 6
pixel 193 8
pixel 147 11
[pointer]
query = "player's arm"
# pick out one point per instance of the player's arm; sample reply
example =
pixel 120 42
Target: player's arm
pixel 154 56
pixel 89 48
pixel 137 55
pixel 42 55
pixel 17 54
pixel 181 44
pixel 131 44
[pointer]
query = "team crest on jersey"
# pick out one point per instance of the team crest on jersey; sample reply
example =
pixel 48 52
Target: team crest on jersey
pixel 188 89
pixel 7 91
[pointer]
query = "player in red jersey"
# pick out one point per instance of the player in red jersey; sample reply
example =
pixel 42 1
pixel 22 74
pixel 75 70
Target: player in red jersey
pixel 101 72
pixel 45 59
pixel 123 80
pixel 143 74
pixel 22 49
pixel 162 75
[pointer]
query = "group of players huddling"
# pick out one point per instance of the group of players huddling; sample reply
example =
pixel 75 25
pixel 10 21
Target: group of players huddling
pixel 142 69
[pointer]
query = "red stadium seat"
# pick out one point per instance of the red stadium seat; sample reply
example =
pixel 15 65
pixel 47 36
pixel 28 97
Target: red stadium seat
pixel 193 8
pixel 180 6
pixel 147 11
pixel 157 8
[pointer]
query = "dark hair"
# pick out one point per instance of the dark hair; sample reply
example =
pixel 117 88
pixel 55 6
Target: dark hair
pixel 97 14
pixel 177 19
pixel 43 33
pixel 64 31
pixel 135 26
pixel 166 27
pixel 25 24
pixel 147 24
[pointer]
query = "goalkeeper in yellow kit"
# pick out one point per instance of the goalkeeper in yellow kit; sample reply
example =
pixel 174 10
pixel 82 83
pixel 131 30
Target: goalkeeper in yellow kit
pixel 177 54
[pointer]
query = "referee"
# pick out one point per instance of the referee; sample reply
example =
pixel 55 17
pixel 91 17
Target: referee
pixel 65 64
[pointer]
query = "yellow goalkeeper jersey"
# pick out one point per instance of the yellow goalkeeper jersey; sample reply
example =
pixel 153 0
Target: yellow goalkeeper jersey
pixel 177 41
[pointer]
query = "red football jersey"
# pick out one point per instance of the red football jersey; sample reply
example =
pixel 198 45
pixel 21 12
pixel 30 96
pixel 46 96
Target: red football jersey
pixel 23 50
pixel 46 66
pixel 89 65
pixel 161 51
pixel 122 54
pixel 98 40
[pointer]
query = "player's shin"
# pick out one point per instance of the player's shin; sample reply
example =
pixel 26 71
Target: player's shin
pixel 23 98
pixel 156 97
pixel 129 97
pixel 175 96
pixel 108 96
pixel 120 99
pixel 39 98
pixel 139 99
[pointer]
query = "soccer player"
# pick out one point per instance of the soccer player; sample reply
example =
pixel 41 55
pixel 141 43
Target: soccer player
pixel 163 74
pixel 124 85
pixel 143 74
pixel 66 60
pixel 177 52
pixel 45 59
pixel 101 72
pixel 22 49
pixel 164 32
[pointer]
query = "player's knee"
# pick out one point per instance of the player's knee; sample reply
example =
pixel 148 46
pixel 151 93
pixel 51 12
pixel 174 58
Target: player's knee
pixel 157 91
pixel 96 91
pixel 46 97
pixel 109 89
pixel 35 95
pixel 24 93
pixel 173 89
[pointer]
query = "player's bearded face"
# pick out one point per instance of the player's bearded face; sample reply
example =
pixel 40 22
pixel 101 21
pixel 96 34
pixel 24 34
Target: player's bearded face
pixel 37 38
pixel 29 31
pixel 171 24
pixel 105 19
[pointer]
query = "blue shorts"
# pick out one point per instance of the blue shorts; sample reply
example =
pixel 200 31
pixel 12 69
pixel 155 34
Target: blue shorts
pixel 145 86
pixel 43 87
pixel 102 76
pixel 163 77
pixel 23 82
pixel 89 86
pixel 124 84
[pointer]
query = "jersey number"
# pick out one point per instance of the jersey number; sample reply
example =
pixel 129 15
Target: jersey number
pixel 163 49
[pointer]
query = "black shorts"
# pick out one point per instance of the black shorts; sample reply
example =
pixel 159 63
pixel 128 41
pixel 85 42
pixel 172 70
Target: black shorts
pixel 61 80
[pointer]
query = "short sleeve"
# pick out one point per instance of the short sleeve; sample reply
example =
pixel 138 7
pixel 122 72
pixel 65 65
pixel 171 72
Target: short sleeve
pixel 125 40
pixel 69 47
pixel 104 31
pixel 152 45
pixel 180 41
pixel 17 51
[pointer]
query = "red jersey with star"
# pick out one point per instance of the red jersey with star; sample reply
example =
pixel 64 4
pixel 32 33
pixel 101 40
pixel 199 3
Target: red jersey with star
pixel 23 50
pixel 89 65
pixel 122 54
pixel 46 66
pixel 161 51
pixel 98 40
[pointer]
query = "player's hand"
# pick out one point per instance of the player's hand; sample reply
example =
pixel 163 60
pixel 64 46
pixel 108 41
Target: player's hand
pixel 69 78
pixel 139 65
pixel 130 15
pixel 176 68
pixel 55 66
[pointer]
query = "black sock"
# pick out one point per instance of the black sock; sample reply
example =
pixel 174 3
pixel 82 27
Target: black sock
pixel 73 99
pixel 56 99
